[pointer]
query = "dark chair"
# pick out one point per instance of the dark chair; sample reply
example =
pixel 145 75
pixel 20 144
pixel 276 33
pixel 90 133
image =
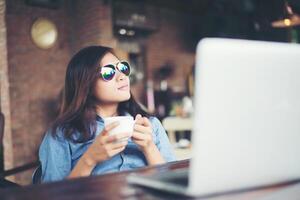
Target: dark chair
pixel 7 184
pixel 3 182
pixel 37 175
pixel 1 141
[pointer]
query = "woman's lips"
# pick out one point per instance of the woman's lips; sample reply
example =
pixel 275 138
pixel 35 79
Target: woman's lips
pixel 124 87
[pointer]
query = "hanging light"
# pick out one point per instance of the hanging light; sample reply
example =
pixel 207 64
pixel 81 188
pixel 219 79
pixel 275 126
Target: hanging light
pixel 290 19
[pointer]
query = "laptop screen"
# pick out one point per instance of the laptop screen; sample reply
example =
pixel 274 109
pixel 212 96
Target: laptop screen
pixel 247 114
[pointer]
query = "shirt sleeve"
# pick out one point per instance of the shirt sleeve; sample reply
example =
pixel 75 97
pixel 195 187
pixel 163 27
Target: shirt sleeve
pixel 55 157
pixel 162 141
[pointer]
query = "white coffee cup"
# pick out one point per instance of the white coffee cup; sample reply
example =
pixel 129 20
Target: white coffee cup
pixel 126 124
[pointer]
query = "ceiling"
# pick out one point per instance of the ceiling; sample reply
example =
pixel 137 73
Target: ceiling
pixel 245 19
pixel 202 6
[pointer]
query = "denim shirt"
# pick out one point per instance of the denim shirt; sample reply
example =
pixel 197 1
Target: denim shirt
pixel 58 156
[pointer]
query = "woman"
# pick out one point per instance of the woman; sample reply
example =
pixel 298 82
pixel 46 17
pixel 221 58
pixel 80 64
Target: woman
pixel 97 86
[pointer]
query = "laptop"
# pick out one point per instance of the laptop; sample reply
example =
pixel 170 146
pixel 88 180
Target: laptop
pixel 246 131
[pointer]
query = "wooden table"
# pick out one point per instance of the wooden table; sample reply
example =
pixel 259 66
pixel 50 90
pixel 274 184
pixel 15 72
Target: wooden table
pixel 114 186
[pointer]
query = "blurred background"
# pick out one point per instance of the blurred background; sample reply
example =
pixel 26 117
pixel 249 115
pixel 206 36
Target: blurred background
pixel 158 37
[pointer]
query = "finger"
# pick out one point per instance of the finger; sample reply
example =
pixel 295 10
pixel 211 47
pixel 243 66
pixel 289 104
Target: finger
pixel 139 136
pixel 138 119
pixel 109 127
pixel 142 129
pixel 119 144
pixel 113 146
pixel 114 138
pixel 147 122
pixel 138 116
pixel 116 151
pixel 139 142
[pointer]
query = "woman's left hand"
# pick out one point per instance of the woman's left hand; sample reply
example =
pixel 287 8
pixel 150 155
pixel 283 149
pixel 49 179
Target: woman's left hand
pixel 142 136
pixel 142 133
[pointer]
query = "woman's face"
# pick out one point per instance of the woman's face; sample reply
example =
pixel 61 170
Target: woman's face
pixel 115 90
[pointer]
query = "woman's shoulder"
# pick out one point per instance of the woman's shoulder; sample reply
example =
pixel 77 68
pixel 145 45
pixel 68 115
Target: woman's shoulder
pixel 53 135
pixel 154 120
pixel 156 123
pixel 56 135
pixel 53 142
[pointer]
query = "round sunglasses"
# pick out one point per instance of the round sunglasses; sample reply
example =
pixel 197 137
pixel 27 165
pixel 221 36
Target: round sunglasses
pixel 108 72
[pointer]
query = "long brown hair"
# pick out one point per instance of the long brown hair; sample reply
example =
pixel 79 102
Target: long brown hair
pixel 77 114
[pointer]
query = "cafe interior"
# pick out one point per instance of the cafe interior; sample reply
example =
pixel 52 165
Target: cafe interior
pixel 157 37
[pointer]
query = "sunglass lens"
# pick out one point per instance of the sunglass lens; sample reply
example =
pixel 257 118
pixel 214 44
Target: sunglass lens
pixel 124 67
pixel 107 73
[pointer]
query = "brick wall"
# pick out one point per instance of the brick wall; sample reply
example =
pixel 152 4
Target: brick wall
pixel 168 46
pixel 4 90
pixel 92 24
pixel 36 76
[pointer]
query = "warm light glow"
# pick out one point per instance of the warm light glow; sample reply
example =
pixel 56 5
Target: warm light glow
pixel 287 22
pixel 291 18
pixel 44 33
pixel 122 31
pixel 131 33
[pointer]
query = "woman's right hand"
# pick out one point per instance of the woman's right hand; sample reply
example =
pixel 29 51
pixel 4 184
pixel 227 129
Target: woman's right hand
pixel 105 146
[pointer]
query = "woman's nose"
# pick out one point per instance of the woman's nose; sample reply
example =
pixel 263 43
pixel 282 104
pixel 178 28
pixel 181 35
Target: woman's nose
pixel 120 76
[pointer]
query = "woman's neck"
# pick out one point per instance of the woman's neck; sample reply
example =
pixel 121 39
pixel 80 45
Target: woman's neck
pixel 107 110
